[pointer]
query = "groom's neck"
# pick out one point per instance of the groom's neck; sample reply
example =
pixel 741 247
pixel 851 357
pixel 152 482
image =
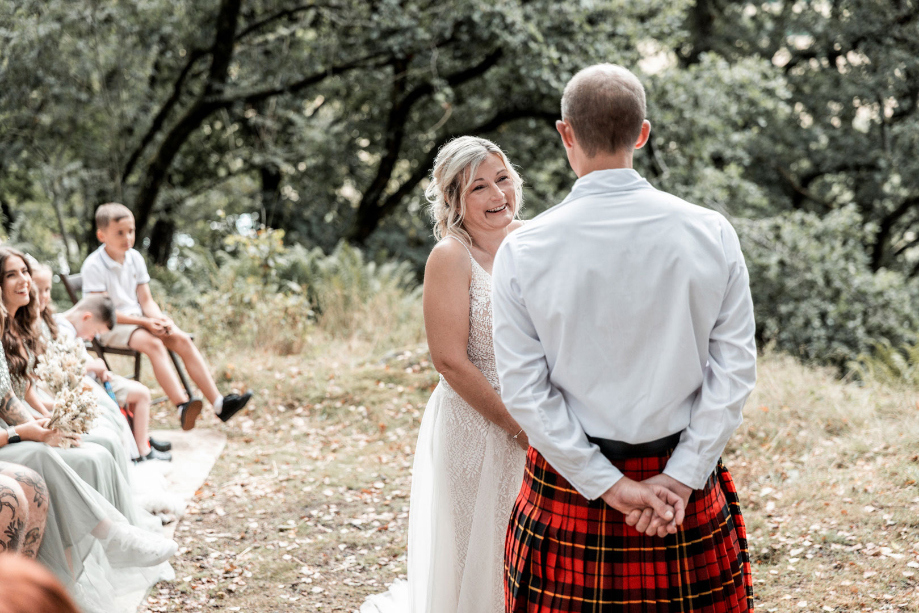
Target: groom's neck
pixel 603 161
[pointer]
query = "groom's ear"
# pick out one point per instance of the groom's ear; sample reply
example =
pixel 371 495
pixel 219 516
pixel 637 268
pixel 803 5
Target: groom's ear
pixel 645 134
pixel 566 133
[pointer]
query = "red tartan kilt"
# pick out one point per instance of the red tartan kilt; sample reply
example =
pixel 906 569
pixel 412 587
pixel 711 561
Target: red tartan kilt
pixel 564 553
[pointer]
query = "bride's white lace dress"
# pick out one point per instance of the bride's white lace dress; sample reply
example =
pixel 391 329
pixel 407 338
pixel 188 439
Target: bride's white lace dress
pixel 465 478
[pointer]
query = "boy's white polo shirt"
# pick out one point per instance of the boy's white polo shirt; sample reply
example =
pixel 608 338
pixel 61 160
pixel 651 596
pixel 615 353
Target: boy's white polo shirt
pixel 64 327
pixel 103 274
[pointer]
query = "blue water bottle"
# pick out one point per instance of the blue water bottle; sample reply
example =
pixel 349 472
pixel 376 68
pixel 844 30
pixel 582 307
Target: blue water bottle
pixel 108 390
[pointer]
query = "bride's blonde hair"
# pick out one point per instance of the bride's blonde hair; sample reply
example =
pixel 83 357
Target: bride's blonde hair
pixel 454 170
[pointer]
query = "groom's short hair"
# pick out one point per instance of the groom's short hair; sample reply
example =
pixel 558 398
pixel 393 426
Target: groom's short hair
pixel 605 107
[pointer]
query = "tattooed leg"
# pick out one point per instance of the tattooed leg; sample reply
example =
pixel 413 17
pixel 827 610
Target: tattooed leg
pixel 14 512
pixel 36 498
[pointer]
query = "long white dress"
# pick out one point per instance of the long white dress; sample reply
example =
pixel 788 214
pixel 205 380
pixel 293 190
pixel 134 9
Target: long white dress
pixel 465 478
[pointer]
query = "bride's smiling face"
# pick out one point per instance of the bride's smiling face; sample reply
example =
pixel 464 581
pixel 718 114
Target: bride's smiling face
pixel 490 196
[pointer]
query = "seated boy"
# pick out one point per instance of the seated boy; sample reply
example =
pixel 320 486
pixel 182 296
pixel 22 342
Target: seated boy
pixel 118 269
pixel 96 315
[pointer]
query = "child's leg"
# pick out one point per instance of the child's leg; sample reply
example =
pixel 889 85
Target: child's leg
pixel 163 369
pixel 182 344
pixel 139 399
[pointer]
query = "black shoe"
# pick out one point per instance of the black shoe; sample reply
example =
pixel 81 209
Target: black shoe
pixel 188 413
pixel 232 403
pixel 155 455
pixel 160 445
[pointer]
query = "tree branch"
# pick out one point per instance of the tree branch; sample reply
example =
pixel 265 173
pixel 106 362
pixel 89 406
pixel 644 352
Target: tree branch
pixel 285 14
pixel 295 86
pixel 398 117
pixel 800 189
pixel 368 219
pixel 160 119
pixel 886 227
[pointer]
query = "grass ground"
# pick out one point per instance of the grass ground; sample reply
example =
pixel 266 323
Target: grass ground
pixel 307 509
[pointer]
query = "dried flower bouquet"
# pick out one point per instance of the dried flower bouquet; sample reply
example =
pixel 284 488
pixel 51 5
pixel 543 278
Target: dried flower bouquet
pixel 62 368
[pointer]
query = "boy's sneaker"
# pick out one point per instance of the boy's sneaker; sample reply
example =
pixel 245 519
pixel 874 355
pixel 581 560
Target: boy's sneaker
pixel 155 454
pixel 232 403
pixel 188 413
pixel 160 445
pixel 128 545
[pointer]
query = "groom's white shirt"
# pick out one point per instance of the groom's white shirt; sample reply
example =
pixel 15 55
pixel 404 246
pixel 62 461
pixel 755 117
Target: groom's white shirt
pixel 624 312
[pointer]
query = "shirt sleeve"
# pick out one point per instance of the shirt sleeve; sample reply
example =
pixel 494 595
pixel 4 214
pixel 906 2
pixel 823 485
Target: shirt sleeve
pixel 530 397
pixel 141 267
pixel 728 378
pixel 93 275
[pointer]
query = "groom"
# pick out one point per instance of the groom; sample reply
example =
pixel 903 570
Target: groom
pixel 624 339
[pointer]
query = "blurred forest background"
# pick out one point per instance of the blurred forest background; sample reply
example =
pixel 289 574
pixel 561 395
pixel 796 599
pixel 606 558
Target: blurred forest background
pixel 274 152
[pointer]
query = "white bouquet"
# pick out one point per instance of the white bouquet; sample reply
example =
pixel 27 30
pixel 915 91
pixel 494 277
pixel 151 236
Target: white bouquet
pixel 62 368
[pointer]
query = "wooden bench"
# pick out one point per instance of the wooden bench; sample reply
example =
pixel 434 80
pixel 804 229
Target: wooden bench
pixel 74 286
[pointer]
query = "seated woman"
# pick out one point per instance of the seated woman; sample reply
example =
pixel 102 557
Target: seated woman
pixel 101 460
pixel 87 543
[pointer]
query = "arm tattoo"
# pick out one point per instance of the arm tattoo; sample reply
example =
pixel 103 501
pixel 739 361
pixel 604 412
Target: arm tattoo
pixel 12 411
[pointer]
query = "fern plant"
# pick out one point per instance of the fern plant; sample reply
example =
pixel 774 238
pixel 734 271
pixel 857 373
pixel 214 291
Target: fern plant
pixel 889 364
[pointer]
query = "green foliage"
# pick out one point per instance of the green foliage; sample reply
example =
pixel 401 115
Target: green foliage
pixel 323 120
pixel 889 364
pixel 814 292
pixel 268 295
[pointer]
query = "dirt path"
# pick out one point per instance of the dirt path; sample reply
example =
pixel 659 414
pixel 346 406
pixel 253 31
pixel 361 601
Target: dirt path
pixel 307 509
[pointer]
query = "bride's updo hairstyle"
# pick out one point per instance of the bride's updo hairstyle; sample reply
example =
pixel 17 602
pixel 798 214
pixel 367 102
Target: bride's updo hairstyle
pixel 454 170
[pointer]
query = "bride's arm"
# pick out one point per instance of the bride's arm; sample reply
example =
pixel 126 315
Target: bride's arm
pixel 447 276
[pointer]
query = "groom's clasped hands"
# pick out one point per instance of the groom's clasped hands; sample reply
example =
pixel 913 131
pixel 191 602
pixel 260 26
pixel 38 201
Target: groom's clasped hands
pixel 655 506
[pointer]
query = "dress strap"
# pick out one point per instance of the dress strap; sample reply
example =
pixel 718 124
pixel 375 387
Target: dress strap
pixel 464 246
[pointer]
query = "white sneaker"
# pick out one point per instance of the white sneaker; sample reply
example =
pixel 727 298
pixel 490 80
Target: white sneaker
pixel 128 545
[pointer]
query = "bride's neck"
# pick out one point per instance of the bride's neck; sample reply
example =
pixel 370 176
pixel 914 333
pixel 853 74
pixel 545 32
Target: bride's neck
pixel 489 241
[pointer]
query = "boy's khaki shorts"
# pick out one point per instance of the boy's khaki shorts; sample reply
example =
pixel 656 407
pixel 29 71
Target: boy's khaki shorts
pixel 119 335
pixel 120 386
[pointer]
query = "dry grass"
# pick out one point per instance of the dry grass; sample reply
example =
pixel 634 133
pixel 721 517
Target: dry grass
pixel 307 509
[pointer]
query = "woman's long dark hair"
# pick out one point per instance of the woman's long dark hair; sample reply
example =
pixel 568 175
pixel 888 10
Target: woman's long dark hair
pixel 21 333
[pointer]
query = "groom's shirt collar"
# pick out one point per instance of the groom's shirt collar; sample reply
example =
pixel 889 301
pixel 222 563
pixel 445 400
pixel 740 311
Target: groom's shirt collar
pixel 606 181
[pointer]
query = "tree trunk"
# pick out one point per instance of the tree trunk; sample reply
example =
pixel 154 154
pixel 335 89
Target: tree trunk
pixel 207 103
pixel 161 238
pixel 273 213
pixel 6 217
pixel 700 21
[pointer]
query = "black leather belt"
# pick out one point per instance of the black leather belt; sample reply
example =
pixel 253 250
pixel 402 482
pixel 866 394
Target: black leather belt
pixel 617 450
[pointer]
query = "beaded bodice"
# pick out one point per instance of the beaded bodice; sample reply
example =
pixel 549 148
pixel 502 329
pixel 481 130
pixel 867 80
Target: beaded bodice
pixel 479 348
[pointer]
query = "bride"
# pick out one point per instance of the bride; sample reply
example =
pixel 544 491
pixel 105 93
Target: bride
pixel 470 453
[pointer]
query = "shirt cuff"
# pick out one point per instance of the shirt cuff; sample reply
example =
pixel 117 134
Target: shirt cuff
pixel 597 477
pixel 688 467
